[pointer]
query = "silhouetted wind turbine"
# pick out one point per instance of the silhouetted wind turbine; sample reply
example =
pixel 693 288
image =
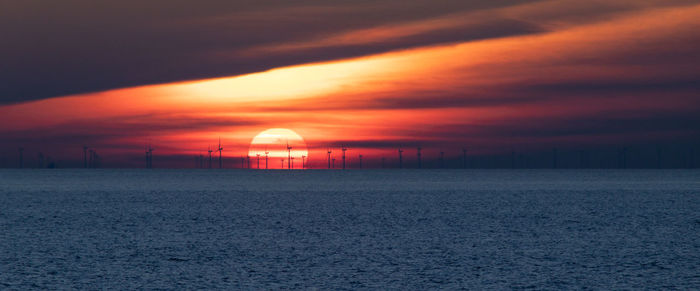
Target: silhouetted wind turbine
pixel 289 156
pixel 343 148
pixel 303 162
pixel 292 159
pixel 400 158
pixel 418 155
pixel 282 164
pixel 150 156
pixel 221 165
pixel 209 151
pixel 329 158
pixel 333 163
pixel 266 153
pixel 360 161
pixel 258 156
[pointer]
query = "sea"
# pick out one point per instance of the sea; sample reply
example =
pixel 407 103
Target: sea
pixel 349 229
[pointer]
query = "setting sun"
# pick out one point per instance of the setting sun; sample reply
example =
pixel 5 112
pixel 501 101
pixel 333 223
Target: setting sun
pixel 275 147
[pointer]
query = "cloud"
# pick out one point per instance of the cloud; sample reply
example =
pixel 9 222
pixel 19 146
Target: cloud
pixel 75 46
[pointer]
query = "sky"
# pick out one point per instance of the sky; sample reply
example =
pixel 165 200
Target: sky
pixel 492 77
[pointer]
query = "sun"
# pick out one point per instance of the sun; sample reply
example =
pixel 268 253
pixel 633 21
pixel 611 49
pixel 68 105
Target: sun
pixel 273 148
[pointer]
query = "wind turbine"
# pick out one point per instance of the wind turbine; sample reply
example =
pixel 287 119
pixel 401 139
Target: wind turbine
pixel 289 156
pixel 343 148
pixel 220 149
pixel 266 153
pixel 418 155
pixel 360 161
pixel 400 158
pixel 292 162
pixel 333 163
pixel 258 155
pixel 149 156
pixel 329 157
pixel 85 148
pixel 282 164
pixel 303 162
pixel 209 151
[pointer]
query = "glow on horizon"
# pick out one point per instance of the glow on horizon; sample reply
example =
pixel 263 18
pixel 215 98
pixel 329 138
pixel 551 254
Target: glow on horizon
pixel 387 96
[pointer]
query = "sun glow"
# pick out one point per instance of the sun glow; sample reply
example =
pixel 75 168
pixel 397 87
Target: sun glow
pixel 273 148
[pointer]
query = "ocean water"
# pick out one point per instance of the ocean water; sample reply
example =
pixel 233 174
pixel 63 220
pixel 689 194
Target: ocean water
pixel 372 229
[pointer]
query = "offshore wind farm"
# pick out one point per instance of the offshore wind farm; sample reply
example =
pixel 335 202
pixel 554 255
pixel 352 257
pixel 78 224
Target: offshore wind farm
pixel 349 145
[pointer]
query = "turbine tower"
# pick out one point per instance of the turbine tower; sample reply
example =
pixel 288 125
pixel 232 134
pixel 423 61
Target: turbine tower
pixel 258 155
pixel 329 158
pixel 418 155
pixel 209 151
pixel 343 148
pixel 289 156
pixel 400 158
pixel 149 156
pixel 333 163
pixel 360 161
pixel 221 165
pixel 266 153
pixel 282 164
pixel 292 160
pixel 303 162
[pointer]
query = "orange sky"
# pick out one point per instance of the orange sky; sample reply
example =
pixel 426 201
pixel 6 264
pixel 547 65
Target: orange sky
pixel 562 86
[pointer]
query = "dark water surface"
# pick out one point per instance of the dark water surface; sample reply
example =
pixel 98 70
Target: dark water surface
pixel 491 229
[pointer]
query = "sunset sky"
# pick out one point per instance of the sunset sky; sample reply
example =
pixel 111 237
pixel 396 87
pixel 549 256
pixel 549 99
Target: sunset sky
pixel 491 76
